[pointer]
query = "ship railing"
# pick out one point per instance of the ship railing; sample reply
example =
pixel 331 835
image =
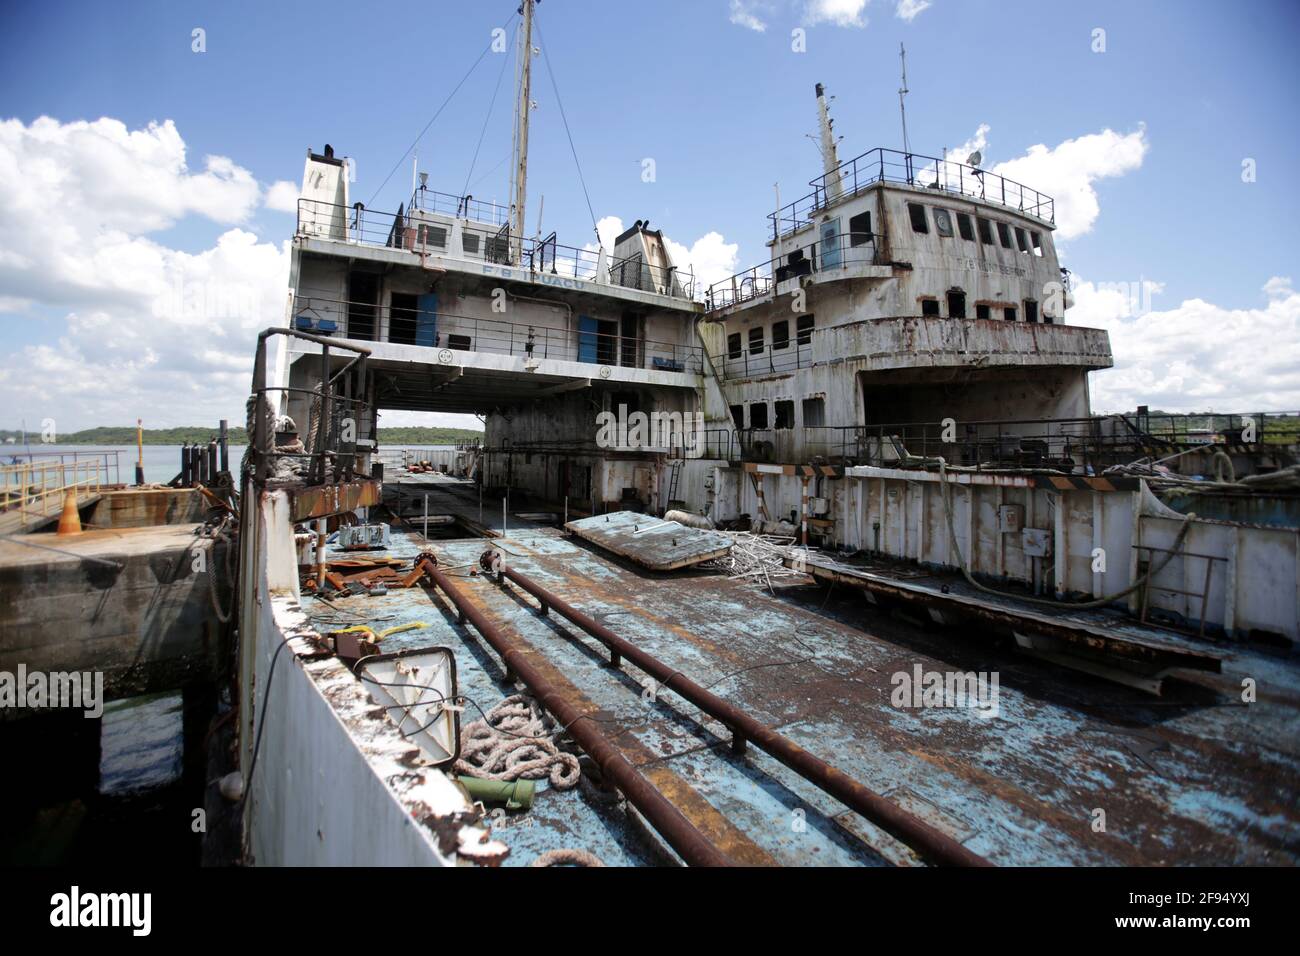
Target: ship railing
pixel 490 243
pixel 1237 428
pixel 459 207
pixel 359 321
pixel 1085 445
pixel 341 419
pixel 840 252
pixel 914 169
pixel 35 489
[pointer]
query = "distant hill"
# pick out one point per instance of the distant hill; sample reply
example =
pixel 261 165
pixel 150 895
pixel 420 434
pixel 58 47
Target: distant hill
pixel 190 435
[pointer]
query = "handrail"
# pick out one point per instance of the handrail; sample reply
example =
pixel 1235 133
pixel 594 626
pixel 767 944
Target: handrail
pixel 471 333
pixel 485 242
pixel 913 169
pixel 841 252
pixel 38 489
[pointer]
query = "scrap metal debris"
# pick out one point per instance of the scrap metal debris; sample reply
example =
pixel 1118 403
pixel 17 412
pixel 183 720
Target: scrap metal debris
pixel 760 557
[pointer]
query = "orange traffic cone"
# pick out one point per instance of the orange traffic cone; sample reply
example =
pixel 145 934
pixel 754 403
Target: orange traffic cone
pixel 70 520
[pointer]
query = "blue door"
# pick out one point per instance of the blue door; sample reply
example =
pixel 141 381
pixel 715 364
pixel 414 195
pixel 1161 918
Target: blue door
pixel 587 339
pixel 426 320
pixel 830 245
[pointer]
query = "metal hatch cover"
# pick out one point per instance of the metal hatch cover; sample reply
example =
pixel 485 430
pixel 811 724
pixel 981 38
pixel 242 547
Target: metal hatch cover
pixel 649 541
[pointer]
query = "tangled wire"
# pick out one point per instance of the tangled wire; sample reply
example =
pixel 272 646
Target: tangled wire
pixel 514 741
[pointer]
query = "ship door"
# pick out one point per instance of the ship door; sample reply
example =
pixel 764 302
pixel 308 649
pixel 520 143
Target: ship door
pixel 830 245
pixel 426 320
pixel 587 339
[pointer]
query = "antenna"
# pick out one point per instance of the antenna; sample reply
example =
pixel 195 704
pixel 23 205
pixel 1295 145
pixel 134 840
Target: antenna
pixel 902 110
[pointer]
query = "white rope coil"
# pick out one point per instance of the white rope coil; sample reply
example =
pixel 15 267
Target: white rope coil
pixel 513 743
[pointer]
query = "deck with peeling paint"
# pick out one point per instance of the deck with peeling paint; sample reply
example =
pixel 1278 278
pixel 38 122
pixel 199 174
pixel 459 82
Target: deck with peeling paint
pixel 1194 777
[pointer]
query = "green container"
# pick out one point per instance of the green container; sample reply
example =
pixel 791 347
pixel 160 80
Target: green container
pixel 515 794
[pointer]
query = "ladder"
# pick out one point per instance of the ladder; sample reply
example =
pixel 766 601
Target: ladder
pixel 674 479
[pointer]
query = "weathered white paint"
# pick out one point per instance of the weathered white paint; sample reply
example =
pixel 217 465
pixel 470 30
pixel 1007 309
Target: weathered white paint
pixel 330 787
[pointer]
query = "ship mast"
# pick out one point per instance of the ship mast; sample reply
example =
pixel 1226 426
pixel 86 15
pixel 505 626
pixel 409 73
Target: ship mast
pixel 518 200
pixel 830 157
pixel 902 111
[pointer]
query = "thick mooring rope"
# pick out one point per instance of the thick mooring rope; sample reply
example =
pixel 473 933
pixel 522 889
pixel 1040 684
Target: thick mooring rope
pixel 514 741
pixel 567 858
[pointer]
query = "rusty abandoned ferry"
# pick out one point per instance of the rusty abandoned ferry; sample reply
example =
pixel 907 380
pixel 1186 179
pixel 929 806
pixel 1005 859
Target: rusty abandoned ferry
pixel 755 636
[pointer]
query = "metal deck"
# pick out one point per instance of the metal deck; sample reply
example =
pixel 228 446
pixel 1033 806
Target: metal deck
pixel 1195 778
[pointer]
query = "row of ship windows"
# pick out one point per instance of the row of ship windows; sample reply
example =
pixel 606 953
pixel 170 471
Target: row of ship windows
pixel 967 227
pixel 983 310
pixel 756 338
pixel 804 325
pixel 814 414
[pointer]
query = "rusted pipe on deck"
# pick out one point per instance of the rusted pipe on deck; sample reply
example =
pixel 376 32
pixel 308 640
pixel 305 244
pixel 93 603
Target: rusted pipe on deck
pixel 693 846
pixel 935 846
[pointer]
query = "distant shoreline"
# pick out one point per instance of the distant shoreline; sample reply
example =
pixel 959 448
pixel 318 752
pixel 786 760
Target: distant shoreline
pixel 235 436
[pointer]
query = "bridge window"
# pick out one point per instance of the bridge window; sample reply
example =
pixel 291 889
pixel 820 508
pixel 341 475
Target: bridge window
pixel 738 415
pixel 469 242
pixel 981 310
pixel 956 304
pixel 1037 241
pixel 758 415
pixel 1004 235
pixel 1009 313
pixel 804 329
pixel 964 227
pixel 781 334
pixel 734 348
pixel 917 212
pixel 756 340
pixel 986 231
pixel 943 223
pixel 435 236
pixel 1031 310
pixel 785 414
pixel 860 229
pixel 1021 243
pixel 929 306
pixel 814 412
pixel 459 342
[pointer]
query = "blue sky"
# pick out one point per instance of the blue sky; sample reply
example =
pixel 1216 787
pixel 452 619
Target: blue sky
pixel 722 108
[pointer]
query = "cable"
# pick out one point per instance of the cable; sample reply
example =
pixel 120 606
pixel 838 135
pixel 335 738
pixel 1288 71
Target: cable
pixel 573 149
pixel 257 743
pixel 486 50
pixel 487 117
pixel 1151 571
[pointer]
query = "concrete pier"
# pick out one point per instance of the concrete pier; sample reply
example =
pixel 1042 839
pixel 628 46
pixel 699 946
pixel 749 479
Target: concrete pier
pixel 135 603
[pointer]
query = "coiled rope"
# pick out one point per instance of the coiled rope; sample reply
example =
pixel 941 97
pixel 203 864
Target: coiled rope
pixel 513 741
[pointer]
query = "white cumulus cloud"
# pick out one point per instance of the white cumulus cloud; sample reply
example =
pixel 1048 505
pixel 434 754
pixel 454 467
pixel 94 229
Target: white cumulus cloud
pixel 282 196
pixel 909 10
pixel 744 13
pixel 842 13
pixel 1069 171
pixel 1196 356
pixel 147 330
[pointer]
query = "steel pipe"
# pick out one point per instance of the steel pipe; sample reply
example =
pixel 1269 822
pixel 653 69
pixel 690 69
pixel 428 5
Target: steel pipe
pixel 693 846
pixel 935 846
